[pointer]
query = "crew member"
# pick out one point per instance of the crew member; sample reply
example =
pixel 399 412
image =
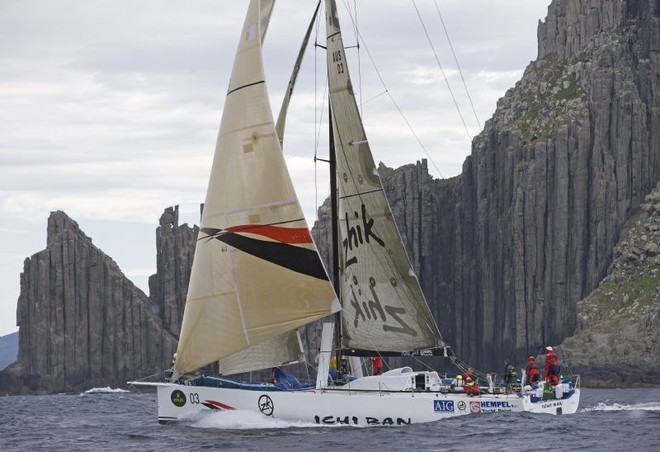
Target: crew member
pixel 532 371
pixel 551 367
pixel 376 365
pixel 510 374
pixel 471 386
pixel 457 383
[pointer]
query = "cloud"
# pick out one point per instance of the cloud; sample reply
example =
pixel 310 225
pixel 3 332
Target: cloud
pixel 110 110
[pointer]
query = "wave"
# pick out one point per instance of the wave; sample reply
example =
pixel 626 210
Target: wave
pixel 244 420
pixel 106 390
pixel 650 406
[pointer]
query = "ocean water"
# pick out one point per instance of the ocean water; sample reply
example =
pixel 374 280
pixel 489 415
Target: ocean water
pixel 113 420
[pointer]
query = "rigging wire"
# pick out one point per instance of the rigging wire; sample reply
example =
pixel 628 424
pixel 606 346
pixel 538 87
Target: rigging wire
pixel 464 367
pixel 317 120
pixel 437 59
pixel 354 22
pixel 451 46
pixel 394 102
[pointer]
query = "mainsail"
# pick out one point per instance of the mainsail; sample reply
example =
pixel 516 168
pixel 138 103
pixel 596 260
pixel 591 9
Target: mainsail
pixel 384 309
pixel 257 274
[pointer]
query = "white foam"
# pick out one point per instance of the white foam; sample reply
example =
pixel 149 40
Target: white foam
pixel 245 420
pixel 650 406
pixel 106 390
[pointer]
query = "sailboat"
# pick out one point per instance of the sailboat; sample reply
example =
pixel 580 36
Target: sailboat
pixel 257 275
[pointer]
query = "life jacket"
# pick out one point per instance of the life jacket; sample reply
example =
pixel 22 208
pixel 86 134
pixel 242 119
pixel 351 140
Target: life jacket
pixel 471 387
pixel 548 393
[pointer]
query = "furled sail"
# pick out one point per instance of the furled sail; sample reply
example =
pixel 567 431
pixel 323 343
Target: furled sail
pixel 383 305
pixel 256 273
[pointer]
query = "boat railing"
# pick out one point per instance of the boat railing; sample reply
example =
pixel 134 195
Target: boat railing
pixel 576 380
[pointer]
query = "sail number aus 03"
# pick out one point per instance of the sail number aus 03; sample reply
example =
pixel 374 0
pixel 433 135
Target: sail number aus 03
pixel 338 60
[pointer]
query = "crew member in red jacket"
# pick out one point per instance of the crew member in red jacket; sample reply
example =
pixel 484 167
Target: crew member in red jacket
pixel 377 365
pixel 533 374
pixel 471 386
pixel 551 367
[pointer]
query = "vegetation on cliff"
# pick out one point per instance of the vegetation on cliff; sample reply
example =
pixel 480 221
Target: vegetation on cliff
pixel 618 338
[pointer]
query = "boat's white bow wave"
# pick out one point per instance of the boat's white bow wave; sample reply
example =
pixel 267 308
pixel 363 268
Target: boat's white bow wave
pixel 244 420
pixel 602 406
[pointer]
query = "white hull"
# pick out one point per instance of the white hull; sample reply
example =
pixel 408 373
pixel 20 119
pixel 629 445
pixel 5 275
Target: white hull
pixel 328 406
pixel 556 406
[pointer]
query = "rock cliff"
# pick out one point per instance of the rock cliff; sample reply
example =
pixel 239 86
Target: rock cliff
pixel 83 323
pixel 618 337
pixel 565 161
pixel 507 249
pixel 175 249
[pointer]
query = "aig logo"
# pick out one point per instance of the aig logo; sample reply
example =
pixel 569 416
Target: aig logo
pixel 443 405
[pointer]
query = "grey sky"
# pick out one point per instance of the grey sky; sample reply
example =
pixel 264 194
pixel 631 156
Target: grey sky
pixel 109 109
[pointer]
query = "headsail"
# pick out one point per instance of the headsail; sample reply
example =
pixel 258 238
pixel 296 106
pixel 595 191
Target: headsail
pixel 278 351
pixel 383 305
pixel 256 273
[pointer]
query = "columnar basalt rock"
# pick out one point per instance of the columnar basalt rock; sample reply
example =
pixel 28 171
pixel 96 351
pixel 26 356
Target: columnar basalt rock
pixel 565 161
pixel 507 249
pixel 175 249
pixel 618 336
pixel 82 322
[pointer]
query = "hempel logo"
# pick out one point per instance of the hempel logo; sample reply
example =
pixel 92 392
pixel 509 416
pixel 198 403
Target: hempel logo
pixel 178 398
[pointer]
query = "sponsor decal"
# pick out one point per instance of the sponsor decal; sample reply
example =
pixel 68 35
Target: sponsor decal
pixel 491 406
pixel 178 398
pixel 495 404
pixel 443 405
pixel 365 303
pixel 552 404
pixel 358 234
pixel 355 420
pixel 215 405
pixel 275 244
pixel 475 406
pixel 461 405
pixel 266 405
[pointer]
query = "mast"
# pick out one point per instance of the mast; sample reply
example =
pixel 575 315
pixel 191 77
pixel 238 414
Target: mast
pixel 334 215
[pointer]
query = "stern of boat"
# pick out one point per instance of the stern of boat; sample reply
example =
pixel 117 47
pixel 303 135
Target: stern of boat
pixel 565 398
